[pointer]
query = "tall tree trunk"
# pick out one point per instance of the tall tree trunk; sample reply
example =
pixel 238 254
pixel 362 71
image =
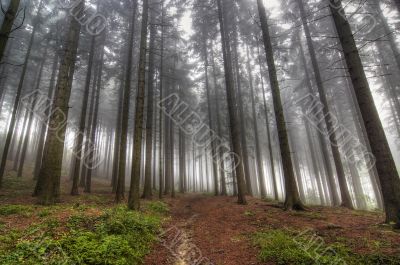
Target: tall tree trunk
pixel 117 138
pixel 389 178
pixel 292 200
pixel 147 192
pixel 182 162
pixel 9 18
pixel 31 114
pixel 259 163
pixel 219 129
pixel 233 115
pixel 6 27
pixel 344 190
pixel 271 155
pixel 52 159
pixel 210 122
pixel 78 150
pixel 90 155
pixel 160 122
pixel 317 172
pixel 322 142
pixel 47 110
pixel 21 138
pixel 134 196
pixel 84 170
pixel 125 107
pixel 243 131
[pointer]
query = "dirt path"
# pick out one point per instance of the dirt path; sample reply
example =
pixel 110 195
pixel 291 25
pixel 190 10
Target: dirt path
pixel 219 231
pixel 205 228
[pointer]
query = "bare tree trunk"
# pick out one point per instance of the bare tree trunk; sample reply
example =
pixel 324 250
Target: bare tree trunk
pixel 125 107
pixel 90 155
pixel 52 159
pixel 210 122
pixel 42 133
pixel 344 190
pixel 271 155
pixel 322 142
pixel 78 151
pixel 117 139
pixel 160 123
pixel 243 134
pixel 389 178
pixel 10 16
pixel 147 192
pixel 292 193
pixel 259 163
pixel 31 112
pixel 134 196
pixel 218 115
pixel 233 115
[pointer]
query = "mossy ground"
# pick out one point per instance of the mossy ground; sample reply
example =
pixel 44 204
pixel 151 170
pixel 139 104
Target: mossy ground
pixel 305 248
pixel 86 229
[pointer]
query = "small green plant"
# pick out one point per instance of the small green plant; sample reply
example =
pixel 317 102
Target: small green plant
pixel 279 246
pixel 7 210
pixel 158 207
pixel 44 213
pixel 292 248
pixel 118 236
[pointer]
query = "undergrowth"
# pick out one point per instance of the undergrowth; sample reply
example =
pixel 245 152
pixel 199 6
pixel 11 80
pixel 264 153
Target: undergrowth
pixel 114 236
pixel 292 248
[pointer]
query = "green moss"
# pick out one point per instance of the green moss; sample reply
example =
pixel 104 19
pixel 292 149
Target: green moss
pixel 117 236
pixel 158 207
pixel 287 247
pixel 7 210
pixel 279 246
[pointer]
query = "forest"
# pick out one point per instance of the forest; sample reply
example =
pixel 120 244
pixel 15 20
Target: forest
pixel 200 132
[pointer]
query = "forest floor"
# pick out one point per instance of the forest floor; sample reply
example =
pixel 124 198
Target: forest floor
pixel 218 230
pixel 195 229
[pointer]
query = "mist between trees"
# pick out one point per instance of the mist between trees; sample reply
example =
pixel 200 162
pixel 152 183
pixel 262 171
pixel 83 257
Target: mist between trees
pixel 293 100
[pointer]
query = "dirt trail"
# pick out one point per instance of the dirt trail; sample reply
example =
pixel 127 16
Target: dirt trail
pixel 219 231
pixel 203 228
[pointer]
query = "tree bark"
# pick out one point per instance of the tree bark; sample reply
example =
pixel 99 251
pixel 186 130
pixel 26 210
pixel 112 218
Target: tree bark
pixel 9 18
pixel 90 155
pixel 78 150
pixel 125 113
pixel 344 190
pixel 292 200
pixel 31 114
pixel 259 163
pixel 52 158
pixel 270 151
pixel 134 196
pixel 232 103
pixel 389 178
pixel 47 110
pixel 147 192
